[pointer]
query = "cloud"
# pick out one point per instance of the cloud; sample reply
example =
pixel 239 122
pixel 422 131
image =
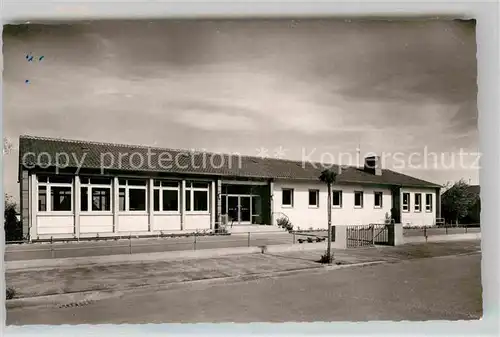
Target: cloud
pixel 392 86
pixel 215 121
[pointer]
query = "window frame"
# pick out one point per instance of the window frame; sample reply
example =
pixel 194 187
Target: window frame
pixel 362 199
pixel 428 207
pixel 48 194
pixel 340 198
pixel 160 188
pixel 127 189
pixel 417 207
pixel 189 190
pixel 291 190
pixel 316 193
pixel 375 193
pixel 90 186
pixel 408 205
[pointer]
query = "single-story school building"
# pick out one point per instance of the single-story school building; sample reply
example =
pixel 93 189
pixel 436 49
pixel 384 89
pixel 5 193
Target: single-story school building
pixel 77 189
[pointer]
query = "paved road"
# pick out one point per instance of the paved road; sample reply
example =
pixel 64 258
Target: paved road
pixel 422 289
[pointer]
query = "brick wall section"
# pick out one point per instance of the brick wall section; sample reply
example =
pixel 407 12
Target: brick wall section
pixel 24 202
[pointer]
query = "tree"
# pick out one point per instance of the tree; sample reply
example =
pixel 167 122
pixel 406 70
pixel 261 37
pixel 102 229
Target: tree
pixel 457 200
pixel 329 177
pixel 12 226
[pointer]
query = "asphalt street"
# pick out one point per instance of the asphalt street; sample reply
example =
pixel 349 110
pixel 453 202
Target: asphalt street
pixel 439 288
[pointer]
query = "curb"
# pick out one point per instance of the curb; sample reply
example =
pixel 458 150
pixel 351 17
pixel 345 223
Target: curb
pixel 78 299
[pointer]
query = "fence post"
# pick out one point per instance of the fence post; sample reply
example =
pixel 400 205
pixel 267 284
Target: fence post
pixel 130 244
pixel 248 239
pixel 446 230
pixel 52 252
pixel 465 229
pixel 293 238
pixel 194 243
pixel 373 234
pixel 425 233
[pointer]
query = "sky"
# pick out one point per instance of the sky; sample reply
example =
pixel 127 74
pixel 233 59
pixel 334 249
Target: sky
pixel 296 89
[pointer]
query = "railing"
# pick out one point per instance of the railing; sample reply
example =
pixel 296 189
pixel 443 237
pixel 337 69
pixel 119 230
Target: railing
pixel 426 231
pixel 132 245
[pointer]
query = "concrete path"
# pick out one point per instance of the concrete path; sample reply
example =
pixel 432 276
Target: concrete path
pixel 446 288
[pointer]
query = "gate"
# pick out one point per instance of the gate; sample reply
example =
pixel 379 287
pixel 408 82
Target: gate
pixel 367 236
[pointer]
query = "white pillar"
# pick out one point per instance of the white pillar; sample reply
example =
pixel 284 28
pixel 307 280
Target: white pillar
pixel 212 205
pixel 77 203
pixel 33 207
pixel 116 204
pixel 151 204
pixel 183 203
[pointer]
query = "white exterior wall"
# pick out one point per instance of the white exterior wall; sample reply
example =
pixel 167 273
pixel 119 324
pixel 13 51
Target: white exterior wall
pixel 96 223
pixel 422 218
pixel 133 223
pixel 197 221
pixel 66 224
pixel 304 216
pixel 167 222
pixel 55 224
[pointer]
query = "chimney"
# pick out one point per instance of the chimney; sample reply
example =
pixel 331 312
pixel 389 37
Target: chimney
pixel 373 165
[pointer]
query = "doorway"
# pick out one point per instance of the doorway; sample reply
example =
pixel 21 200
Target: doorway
pixel 239 209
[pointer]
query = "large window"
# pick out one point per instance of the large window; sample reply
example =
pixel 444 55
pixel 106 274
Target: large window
pixel 132 195
pixel 287 197
pixel 406 202
pixel 337 199
pixel 428 202
pixel 60 190
pixel 197 196
pixel 314 198
pixel 95 192
pixel 166 196
pixel 358 199
pixel 378 196
pixel 418 202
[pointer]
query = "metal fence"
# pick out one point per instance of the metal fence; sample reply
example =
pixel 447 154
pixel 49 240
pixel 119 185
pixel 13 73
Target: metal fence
pixel 426 231
pixel 368 235
pixel 133 245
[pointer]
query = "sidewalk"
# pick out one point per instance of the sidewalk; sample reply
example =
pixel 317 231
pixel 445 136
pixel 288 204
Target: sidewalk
pixel 94 282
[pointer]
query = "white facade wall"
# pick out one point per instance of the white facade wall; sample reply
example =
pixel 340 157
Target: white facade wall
pixel 96 223
pixel 301 214
pixel 167 222
pixel 415 218
pixel 304 216
pixel 55 224
pixel 197 221
pixel 69 224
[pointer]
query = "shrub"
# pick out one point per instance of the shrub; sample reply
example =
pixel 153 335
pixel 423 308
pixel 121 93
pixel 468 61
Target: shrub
pixel 10 293
pixel 12 227
pixel 326 259
pixel 309 239
pixel 284 223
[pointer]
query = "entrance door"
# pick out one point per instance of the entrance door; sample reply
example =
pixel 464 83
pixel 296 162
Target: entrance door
pixel 232 209
pixel 245 212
